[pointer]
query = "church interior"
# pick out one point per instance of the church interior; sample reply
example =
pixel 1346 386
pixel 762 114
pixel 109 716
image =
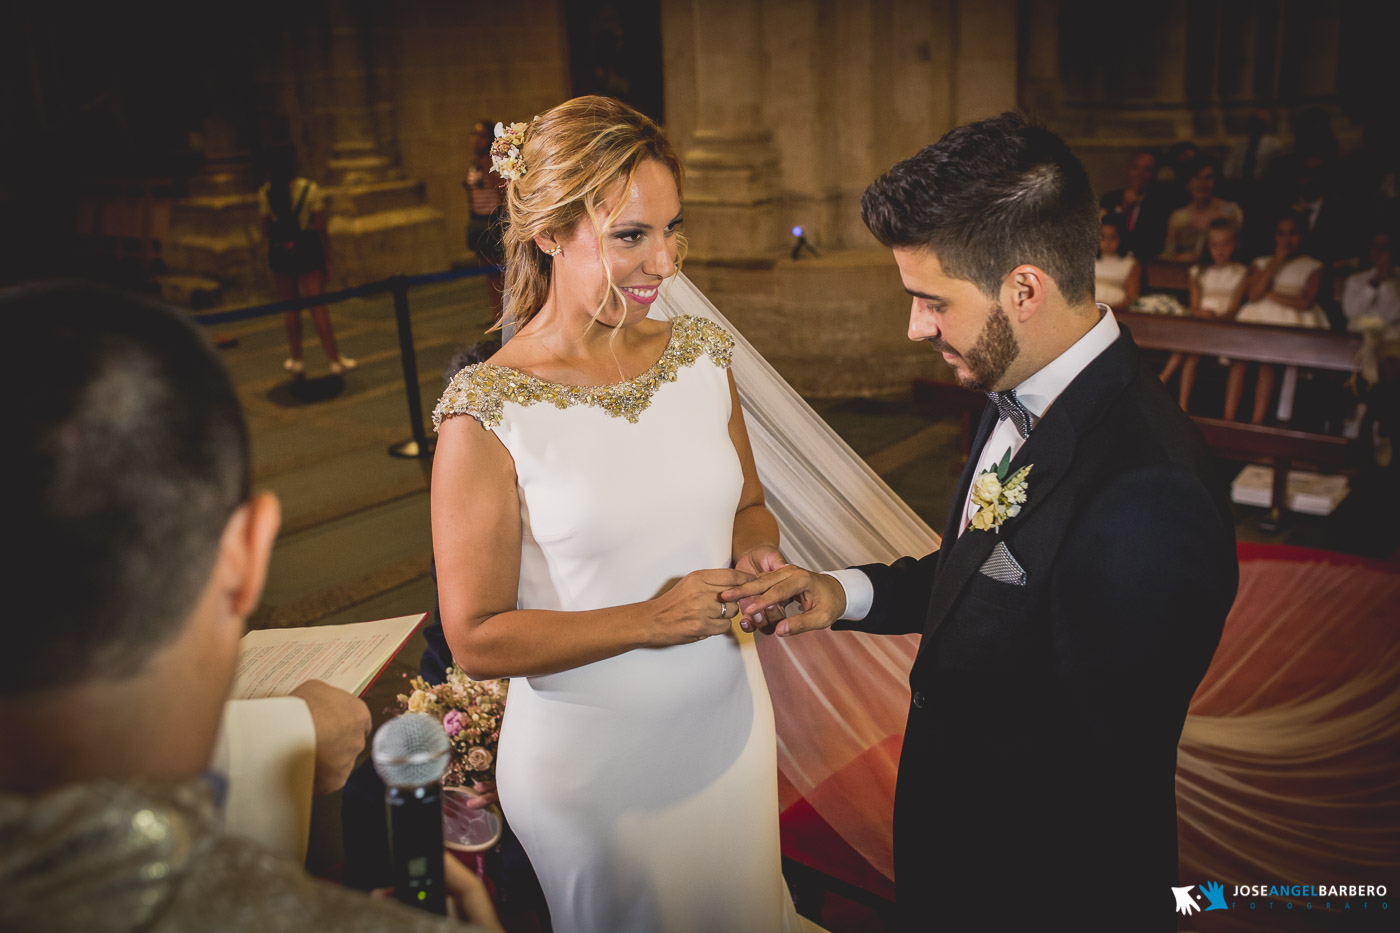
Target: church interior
pixel 138 137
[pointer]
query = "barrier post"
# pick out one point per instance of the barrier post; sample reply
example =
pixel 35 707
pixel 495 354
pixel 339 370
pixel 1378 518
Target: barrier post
pixel 420 445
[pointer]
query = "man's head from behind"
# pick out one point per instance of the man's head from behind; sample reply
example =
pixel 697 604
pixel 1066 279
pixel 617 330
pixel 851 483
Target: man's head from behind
pixel 140 551
pixel 995 229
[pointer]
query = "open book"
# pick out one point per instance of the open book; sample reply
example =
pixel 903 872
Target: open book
pixel 273 662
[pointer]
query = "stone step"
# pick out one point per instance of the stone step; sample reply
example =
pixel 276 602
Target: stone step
pixel 378 197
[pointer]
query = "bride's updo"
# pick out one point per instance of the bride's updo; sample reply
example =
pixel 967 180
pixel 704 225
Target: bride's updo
pixel 573 155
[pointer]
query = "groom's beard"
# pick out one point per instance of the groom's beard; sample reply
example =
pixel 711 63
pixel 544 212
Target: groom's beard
pixel 993 353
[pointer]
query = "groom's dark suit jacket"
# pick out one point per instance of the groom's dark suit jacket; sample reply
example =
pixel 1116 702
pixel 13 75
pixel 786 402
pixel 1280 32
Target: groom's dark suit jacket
pixel 1037 782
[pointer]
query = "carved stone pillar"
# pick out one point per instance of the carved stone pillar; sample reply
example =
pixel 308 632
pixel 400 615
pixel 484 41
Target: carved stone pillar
pixel 380 222
pixel 731 206
pixel 213 246
pixel 362 138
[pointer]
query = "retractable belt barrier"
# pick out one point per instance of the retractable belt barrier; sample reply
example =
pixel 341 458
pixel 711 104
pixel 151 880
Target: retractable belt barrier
pixel 419 445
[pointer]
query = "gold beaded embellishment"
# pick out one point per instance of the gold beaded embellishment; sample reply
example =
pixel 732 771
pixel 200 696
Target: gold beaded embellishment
pixel 483 389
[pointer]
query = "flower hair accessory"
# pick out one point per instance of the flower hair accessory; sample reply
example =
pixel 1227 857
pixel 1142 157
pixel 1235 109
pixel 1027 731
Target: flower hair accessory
pixel 505 151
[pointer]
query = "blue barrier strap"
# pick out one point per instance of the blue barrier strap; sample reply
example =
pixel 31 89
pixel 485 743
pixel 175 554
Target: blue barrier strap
pixel 358 291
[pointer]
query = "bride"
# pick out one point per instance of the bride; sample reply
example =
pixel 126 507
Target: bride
pixel 593 485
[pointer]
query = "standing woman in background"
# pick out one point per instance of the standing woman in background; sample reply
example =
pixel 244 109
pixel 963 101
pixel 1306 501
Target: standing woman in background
pixel 293 210
pixel 487 211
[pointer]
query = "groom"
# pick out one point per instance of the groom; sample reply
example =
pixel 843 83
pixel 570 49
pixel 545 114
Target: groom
pixel 1067 618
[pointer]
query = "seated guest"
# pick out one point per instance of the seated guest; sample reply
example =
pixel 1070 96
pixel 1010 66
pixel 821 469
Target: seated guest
pixel 1330 224
pixel 1282 290
pixel 1117 278
pixel 144 553
pixel 1179 162
pixel 1371 304
pixel 1251 158
pixel 1283 287
pixel 1186 229
pixel 1216 289
pixel 1143 205
pixel 1371 297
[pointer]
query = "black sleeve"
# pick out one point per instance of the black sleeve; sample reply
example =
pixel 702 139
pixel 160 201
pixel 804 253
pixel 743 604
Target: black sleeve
pixel 901 599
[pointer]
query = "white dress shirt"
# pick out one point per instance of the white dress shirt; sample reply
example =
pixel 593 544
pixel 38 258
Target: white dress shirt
pixel 1037 392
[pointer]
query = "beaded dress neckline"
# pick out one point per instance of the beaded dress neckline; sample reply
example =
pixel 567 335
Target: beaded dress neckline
pixel 481 390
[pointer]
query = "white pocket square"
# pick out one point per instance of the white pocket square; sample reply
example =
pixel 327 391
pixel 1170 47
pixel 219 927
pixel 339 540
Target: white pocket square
pixel 1002 567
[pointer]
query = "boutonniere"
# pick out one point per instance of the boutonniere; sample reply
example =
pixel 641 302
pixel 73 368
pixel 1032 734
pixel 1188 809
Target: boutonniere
pixel 997 496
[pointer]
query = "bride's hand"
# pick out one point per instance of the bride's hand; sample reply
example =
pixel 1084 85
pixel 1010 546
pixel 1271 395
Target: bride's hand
pixel 821 598
pixel 760 560
pixel 692 610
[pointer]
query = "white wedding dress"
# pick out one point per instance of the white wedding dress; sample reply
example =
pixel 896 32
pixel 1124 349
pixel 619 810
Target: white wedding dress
pixel 644 786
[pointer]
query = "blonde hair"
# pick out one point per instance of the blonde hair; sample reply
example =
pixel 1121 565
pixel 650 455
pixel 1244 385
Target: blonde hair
pixel 573 154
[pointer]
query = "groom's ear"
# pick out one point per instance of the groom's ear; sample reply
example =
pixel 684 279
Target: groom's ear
pixel 1027 288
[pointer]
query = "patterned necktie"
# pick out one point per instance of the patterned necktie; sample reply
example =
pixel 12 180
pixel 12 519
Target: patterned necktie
pixel 1009 406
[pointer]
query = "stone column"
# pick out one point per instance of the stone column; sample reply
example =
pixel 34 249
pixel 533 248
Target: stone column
pixel 213 242
pixel 361 122
pixel 731 208
pixel 380 222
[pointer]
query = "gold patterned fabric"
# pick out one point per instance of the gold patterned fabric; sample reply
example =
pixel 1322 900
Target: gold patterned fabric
pixel 108 857
pixel 483 389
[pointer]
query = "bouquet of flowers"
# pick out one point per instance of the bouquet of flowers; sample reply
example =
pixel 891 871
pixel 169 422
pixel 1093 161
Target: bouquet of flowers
pixel 471 712
pixel 1158 304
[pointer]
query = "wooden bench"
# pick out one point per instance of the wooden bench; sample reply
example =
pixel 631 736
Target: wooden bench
pixel 1291 348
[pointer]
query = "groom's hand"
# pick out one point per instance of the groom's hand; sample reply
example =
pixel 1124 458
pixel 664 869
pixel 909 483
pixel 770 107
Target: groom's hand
pixel 765 558
pixel 822 600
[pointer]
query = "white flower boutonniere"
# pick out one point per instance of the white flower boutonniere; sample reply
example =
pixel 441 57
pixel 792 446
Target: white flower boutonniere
pixel 997 496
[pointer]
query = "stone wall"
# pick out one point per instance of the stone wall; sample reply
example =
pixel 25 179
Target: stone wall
pixel 456 63
pixel 784 112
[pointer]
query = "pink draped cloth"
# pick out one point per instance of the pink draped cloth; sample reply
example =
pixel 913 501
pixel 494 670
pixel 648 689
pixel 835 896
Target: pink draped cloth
pixel 1288 766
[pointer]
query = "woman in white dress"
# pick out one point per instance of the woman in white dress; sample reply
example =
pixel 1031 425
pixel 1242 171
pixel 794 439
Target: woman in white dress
pixel 1187 226
pixel 1282 291
pixel 587 506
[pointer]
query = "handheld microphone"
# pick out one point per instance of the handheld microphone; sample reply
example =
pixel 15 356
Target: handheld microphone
pixel 411 755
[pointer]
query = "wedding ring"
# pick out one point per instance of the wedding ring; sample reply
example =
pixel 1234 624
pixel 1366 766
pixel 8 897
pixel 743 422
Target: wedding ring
pixel 724 610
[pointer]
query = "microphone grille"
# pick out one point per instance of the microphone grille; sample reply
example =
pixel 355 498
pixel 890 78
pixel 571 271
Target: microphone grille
pixel 411 750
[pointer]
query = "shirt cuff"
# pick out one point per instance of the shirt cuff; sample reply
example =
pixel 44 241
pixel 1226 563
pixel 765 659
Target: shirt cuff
pixel 860 593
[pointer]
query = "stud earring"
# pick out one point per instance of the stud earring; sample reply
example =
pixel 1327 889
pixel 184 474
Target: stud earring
pixel 554 252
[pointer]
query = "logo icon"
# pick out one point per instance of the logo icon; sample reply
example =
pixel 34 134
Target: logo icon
pixel 1215 893
pixel 1186 902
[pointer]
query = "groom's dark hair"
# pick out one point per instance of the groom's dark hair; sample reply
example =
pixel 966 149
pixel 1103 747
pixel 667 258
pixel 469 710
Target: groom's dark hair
pixel 989 196
pixel 128 452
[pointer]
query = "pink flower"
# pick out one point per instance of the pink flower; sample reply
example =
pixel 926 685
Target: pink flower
pixel 453 722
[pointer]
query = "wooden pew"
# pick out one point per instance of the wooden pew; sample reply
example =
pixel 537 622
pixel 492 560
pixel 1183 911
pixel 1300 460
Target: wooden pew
pixel 1288 347
pixel 1291 348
